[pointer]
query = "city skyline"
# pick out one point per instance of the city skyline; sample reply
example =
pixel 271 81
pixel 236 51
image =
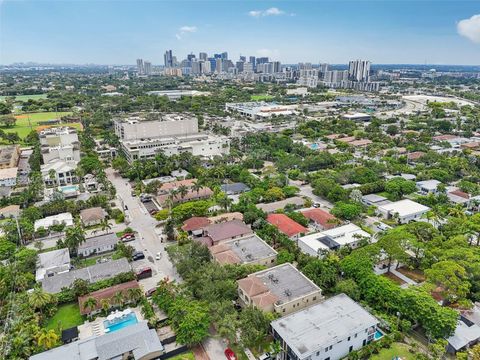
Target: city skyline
pixel 396 32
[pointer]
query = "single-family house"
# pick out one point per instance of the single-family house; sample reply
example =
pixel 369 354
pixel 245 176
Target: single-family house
pixel 92 216
pixel 214 234
pixel 428 186
pixel 51 263
pixel 281 289
pixel 62 218
pixel 404 211
pixel 295 201
pixel 98 245
pixel 321 219
pixel 234 188
pixel 287 226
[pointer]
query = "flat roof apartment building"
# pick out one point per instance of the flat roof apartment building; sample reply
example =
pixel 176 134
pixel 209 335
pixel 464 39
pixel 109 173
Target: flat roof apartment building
pixel 329 330
pixel 9 156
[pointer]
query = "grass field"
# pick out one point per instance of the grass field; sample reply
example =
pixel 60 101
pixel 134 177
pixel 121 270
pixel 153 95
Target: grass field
pixel 67 316
pixel 26 97
pixel 262 97
pixel 28 122
pixel 185 356
pixel 397 349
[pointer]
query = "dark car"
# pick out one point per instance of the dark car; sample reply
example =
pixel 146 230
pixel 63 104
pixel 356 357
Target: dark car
pixel 138 256
pixel 144 273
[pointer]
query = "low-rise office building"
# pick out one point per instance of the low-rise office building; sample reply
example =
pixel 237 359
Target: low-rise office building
pixel 329 330
pixel 281 289
pixel 260 110
pixel 403 211
pixel 247 250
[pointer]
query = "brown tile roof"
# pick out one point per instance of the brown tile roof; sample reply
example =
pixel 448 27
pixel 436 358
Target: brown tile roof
pixel 347 139
pixel 92 214
pixel 460 193
pixel 195 223
pixel 175 184
pixel 227 230
pixel 361 142
pixel 226 217
pixel 415 155
pixel 265 299
pixel 252 286
pixel 320 217
pixel 444 137
pixel 227 257
pixel 107 293
pixel 470 145
pixel 191 195
pixel 286 225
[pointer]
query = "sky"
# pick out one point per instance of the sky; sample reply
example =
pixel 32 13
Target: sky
pixel 332 31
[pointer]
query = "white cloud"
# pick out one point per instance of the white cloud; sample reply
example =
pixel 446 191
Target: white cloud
pixel 273 11
pixel 470 28
pixel 185 30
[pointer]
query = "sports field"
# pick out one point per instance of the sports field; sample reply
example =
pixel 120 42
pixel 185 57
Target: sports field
pixel 28 122
pixel 26 97
pixel 262 97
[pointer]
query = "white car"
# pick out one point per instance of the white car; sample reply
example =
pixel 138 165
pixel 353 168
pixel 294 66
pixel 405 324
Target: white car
pixel 158 256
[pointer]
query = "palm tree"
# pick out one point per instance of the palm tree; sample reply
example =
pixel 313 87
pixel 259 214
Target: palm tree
pixel 196 186
pixel 39 299
pixel 134 294
pixel 118 298
pixel 105 225
pixel 182 190
pixel 105 304
pixel 74 236
pixel 47 338
pixel 90 304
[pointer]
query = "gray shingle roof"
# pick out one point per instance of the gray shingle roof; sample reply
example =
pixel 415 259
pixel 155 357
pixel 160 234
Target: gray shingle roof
pixel 92 274
pixel 101 240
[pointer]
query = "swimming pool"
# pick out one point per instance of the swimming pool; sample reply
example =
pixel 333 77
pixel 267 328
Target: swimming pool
pixel 69 188
pixel 314 146
pixel 378 334
pixel 120 323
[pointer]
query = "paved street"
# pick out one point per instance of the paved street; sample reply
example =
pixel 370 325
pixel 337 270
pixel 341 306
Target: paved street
pixel 148 239
pixel 306 190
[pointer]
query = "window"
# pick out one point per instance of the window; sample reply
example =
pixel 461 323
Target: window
pixel 314 298
pixel 356 335
pixel 330 348
pixel 326 349
pixel 349 338
pixel 350 349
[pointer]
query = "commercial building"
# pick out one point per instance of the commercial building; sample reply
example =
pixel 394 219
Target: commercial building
pixel 347 235
pixel 260 110
pixel 281 289
pixel 62 218
pixel 97 245
pixel 328 330
pixel 135 341
pixel 9 156
pixel 404 211
pixel 357 117
pixel 92 274
pixel 51 263
pixel 177 94
pixel 249 250
pixel 154 126
pixel 198 145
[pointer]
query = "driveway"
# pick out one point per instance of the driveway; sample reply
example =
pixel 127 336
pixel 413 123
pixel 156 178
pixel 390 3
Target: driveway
pixel 147 240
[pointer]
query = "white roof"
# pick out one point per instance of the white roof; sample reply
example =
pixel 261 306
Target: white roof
pixel 66 218
pixel 324 324
pixel 428 184
pixel 404 207
pixel 55 259
pixel 59 166
pixel 343 235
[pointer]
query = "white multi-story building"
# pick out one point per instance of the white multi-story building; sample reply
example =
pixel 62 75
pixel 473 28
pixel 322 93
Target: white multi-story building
pixel 58 172
pixel 60 144
pixel 136 128
pixel 329 330
pixel 359 70
pixel 260 110
pixel 199 145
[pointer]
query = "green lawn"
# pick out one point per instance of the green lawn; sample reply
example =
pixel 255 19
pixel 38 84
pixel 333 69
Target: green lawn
pixel 263 97
pixel 185 356
pixel 26 97
pixel 397 349
pixel 28 122
pixel 67 316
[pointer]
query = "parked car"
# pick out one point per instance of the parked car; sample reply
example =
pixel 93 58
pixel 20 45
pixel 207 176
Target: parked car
pixel 150 292
pixel 153 211
pixel 133 194
pixel 158 256
pixel 138 256
pixel 265 356
pixel 127 237
pixel 230 354
pixel 144 273
pixel 316 205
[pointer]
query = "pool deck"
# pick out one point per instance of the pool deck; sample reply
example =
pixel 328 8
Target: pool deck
pixel 96 327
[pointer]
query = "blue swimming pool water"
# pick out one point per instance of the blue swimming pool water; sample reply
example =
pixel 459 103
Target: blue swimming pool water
pixel 69 188
pixel 118 324
pixel 314 146
pixel 378 334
